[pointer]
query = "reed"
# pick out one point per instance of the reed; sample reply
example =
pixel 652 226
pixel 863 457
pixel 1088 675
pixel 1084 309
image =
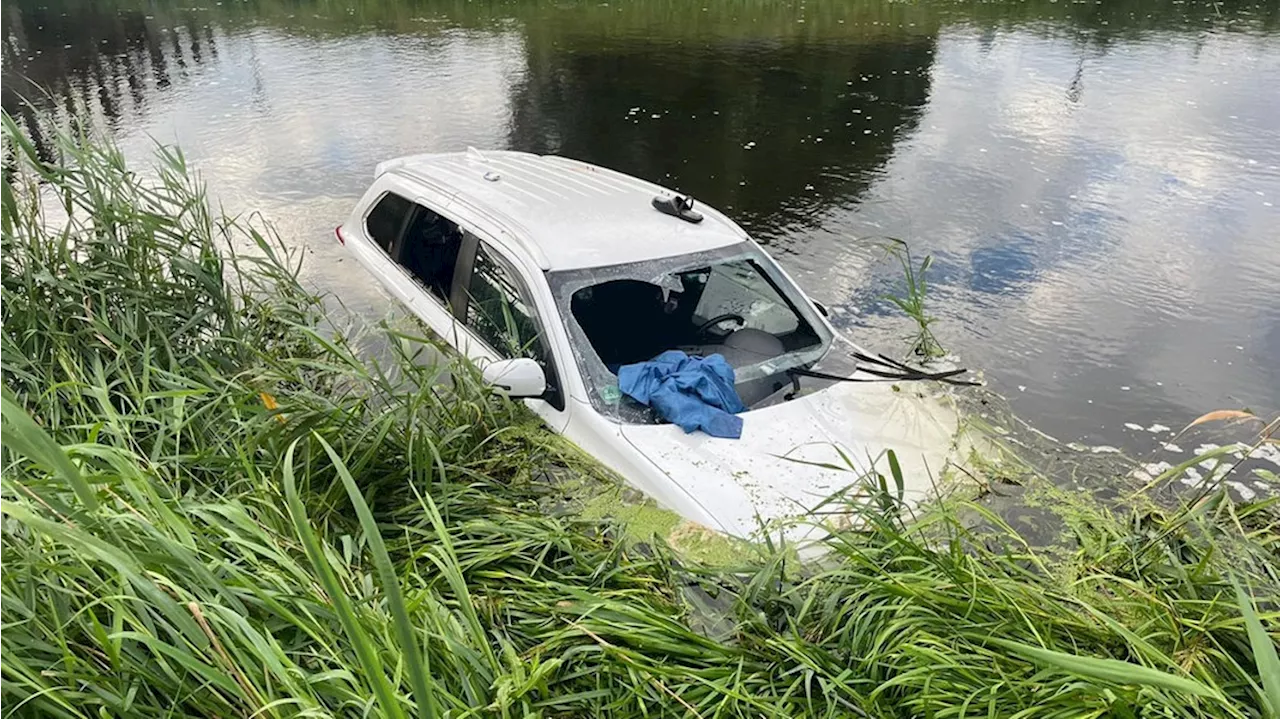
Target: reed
pixel 911 301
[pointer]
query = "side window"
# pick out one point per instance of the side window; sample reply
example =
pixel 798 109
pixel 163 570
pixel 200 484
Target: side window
pixel 500 312
pixel 386 220
pixel 429 251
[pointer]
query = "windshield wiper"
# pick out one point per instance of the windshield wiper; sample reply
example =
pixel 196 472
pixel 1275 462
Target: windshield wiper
pixel 892 371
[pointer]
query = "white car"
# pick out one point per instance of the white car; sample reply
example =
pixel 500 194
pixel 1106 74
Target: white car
pixel 551 273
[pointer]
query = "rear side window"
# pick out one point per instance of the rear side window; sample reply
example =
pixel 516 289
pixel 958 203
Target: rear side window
pixel 386 220
pixel 429 251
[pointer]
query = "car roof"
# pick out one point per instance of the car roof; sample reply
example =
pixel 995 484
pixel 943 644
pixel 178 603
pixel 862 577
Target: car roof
pixel 567 214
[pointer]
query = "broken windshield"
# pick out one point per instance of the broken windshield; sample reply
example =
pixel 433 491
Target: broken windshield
pixel 731 301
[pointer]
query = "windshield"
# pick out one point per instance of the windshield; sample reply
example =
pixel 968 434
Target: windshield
pixel 732 301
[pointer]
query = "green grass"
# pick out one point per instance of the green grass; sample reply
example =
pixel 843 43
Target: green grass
pixel 212 508
pixel 915 293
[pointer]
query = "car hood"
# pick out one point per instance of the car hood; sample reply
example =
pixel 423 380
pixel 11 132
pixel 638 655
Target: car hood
pixel 793 455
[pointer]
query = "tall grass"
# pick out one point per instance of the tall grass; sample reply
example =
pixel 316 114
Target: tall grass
pixel 912 301
pixel 212 508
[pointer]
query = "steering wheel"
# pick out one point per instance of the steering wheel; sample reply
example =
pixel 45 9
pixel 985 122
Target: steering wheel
pixel 720 318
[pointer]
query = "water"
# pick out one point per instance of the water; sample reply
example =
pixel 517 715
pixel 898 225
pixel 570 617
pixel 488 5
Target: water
pixel 1096 181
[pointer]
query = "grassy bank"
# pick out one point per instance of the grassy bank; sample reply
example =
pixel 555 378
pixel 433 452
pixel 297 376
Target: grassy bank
pixel 213 508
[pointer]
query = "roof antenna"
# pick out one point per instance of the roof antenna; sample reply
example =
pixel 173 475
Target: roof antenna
pixel 677 206
pixel 474 154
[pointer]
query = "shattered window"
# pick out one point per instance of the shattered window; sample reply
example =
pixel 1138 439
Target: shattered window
pixel 732 301
pixel 740 288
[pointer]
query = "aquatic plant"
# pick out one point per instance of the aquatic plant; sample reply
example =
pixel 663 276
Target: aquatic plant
pixel 912 300
pixel 214 508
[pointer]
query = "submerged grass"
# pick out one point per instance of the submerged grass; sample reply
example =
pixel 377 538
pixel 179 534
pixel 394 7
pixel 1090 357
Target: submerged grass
pixel 212 508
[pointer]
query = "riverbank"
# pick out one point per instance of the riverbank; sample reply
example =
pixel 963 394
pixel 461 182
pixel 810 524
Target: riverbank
pixel 214 508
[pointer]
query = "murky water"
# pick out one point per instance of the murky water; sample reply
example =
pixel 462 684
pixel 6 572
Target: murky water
pixel 1097 181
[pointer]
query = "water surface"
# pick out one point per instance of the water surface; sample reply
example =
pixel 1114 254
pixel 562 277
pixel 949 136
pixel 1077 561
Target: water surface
pixel 1096 181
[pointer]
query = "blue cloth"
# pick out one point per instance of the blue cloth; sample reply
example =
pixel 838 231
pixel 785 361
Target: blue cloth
pixel 692 392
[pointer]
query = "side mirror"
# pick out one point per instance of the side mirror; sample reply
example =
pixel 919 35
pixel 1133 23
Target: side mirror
pixel 517 378
pixel 821 307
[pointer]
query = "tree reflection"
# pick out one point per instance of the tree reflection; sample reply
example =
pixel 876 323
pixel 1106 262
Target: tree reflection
pixel 773 133
pixel 775 111
pixel 97 64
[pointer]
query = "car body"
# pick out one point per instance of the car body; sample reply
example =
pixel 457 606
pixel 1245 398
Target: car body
pixel 550 273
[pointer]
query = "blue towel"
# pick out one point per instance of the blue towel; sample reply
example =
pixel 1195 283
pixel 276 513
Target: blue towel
pixel 692 392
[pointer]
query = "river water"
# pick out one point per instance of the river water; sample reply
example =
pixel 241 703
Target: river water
pixel 1096 181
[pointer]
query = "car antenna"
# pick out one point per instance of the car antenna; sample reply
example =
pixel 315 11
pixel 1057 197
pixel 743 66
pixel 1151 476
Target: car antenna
pixel 677 206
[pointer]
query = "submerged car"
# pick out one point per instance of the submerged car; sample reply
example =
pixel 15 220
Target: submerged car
pixel 551 274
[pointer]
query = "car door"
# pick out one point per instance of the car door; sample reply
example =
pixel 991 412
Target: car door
pixel 502 319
